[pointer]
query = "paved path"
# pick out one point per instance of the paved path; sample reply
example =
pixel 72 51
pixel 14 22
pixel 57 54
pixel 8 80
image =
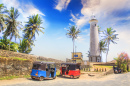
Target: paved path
pixel 109 80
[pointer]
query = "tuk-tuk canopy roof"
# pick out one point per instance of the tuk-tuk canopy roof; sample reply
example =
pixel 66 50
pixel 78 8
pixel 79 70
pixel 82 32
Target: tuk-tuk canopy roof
pixel 42 62
pixel 70 63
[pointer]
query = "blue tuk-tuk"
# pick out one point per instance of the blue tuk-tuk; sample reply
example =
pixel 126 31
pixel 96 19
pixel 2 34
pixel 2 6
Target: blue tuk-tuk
pixel 42 70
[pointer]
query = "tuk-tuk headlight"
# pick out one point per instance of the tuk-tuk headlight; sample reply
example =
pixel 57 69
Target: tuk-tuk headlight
pixel 36 73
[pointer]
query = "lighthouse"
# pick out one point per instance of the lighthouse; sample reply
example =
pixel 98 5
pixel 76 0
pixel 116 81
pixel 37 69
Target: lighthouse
pixel 94 41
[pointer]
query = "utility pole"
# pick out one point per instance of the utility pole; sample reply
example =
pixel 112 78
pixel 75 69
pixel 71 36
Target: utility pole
pixel 75 53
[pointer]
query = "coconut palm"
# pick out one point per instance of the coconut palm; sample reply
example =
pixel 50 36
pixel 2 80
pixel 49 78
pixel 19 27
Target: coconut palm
pixel 23 46
pixel 99 29
pixel 102 47
pixel 4 44
pixel 73 33
pixel 2 16
pixel 32 27
pixel 14 46
pixel 109 37
pixel 12 24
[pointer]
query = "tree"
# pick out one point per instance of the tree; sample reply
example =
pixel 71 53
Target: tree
pixel 99 29
pixel 12 24
pixel 23 46
pixel 122 61
pixel 103 48
pixel 2 17
pixel 4 44
pixel 32 27
pixel 73 33
pixel 109 37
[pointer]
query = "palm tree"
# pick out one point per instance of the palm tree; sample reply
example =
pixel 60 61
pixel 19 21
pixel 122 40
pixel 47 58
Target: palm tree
pixel 12 24
pixel 99 29
pixel 2 16
pixel 109 37
pixel 14 46
pixel 23 46
pixel 4 44
pixel 73 33
pixel 33 26
pixel 102 47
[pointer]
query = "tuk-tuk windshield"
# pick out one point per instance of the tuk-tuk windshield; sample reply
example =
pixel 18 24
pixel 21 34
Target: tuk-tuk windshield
pixel 39 66
pixel 36 66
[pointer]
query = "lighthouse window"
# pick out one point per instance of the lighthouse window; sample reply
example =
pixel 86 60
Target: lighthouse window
pixel 95 24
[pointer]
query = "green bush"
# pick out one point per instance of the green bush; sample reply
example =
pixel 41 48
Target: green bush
pixel 129 70
pixel 122 61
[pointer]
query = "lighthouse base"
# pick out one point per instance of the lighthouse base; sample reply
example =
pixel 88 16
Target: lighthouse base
pixel 95 59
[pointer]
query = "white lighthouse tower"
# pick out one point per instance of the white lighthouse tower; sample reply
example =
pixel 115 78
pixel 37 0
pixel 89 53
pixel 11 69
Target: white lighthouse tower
pixel 94 41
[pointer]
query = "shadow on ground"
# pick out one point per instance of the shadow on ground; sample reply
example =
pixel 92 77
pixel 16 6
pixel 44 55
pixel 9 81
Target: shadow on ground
pixel 46 79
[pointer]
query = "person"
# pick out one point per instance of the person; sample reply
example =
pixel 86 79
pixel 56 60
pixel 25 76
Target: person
pixel 67 67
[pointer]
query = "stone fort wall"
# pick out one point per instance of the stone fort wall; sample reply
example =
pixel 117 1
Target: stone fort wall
pixel 10 66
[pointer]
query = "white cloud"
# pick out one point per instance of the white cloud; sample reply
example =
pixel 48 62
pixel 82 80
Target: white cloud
pixel 85 31
pixel 80 39
pixel 65 29
pixel 88 34
pixel 62 4
pixel 29 9
pixel 25 9
pixel 70 24
pixel 11 3
pixel 103 10
pixel 59 38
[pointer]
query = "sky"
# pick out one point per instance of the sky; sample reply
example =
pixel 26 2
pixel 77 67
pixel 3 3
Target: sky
pixel 60 15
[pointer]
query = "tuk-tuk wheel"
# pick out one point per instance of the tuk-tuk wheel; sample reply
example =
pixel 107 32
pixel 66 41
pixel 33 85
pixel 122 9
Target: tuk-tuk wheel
pixel 32 77
pixel 41 78
pixel 54 77
pixel 71 76
pixel 78 76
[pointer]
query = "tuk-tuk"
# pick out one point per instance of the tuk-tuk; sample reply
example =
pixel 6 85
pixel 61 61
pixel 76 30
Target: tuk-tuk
pixel 71 69
pixel 42 70
pixel 116 70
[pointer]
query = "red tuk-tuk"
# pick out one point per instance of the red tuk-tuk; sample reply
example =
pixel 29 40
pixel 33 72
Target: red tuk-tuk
pixel 71 69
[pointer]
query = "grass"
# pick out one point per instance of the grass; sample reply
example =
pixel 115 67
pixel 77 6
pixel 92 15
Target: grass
pixel 13 76
pixel 8 77
pixel 17 58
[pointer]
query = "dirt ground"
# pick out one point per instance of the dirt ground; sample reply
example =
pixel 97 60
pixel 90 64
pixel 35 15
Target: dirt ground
pixel 85 76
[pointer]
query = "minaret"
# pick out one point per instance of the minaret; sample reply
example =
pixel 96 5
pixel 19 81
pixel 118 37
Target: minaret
pixel 94 41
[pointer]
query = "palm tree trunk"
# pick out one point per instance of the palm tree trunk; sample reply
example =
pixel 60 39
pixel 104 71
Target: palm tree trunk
pixel 9 43
pixel 101 56
pixel 107 51
pixel 73 48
